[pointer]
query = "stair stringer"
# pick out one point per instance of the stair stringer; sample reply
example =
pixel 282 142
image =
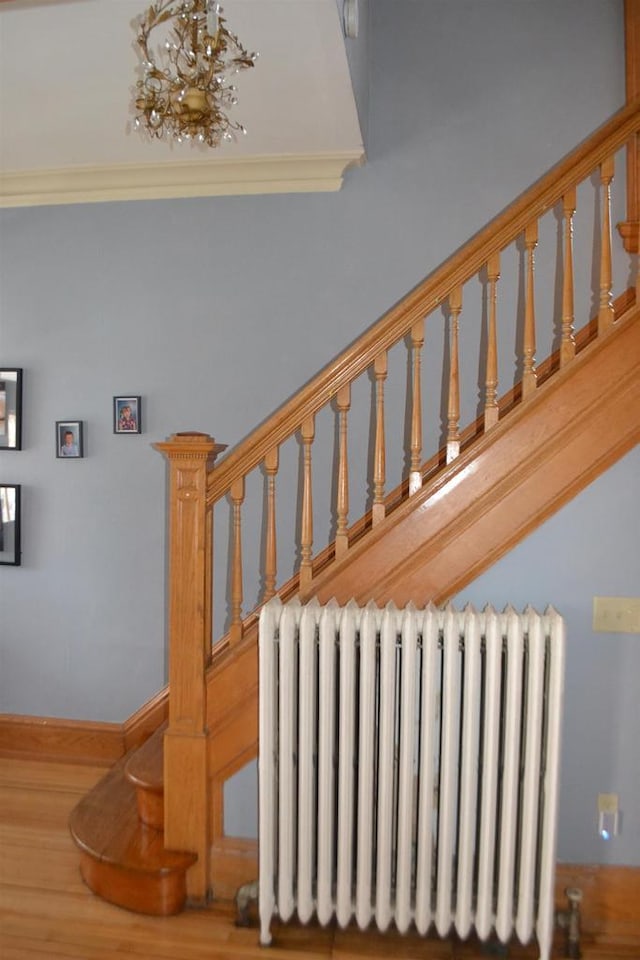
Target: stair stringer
pixel 501 488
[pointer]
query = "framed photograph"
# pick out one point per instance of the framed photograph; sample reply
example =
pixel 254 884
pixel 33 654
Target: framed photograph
pixel 127 414
pixel 10 524
pixel 11 409
pixel 69 439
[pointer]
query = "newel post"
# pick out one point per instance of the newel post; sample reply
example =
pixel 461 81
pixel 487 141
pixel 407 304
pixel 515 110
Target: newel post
pixel 190 457
pixel 629 229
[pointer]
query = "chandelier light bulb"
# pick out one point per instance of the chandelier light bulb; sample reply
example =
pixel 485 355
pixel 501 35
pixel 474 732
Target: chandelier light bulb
pixel 182 92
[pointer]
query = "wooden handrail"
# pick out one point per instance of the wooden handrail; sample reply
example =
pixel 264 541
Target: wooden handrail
pixel 424 298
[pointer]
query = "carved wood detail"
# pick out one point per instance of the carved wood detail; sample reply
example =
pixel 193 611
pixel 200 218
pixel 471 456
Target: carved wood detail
pixel 605 315
pixel 417 342
pixel 379 461
pixel 529 375
pixel 343 403
pixel 491 386
pixel 306 534
pixel 453 429
pixel 568 340
pixel 270 563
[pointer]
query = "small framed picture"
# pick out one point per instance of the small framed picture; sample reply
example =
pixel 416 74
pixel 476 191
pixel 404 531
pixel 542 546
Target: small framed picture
pixel 69 439
pixel 127 412
pixel 10 524
pixel 11 409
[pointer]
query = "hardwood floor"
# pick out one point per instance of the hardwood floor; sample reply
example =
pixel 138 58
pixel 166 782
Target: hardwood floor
pixel 46 913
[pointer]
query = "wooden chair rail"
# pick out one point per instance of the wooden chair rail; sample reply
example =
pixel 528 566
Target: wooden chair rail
pixel 427 296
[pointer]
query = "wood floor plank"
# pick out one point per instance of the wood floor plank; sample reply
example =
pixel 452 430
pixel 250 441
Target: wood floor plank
pixel 47 913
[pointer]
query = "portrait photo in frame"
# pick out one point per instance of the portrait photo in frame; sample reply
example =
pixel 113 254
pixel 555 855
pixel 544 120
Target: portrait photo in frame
pixel 10 524
pixel 127 415
pixel 11 408
pixel 69 439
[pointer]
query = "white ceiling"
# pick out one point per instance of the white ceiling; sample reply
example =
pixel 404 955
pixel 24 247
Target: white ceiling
pixel 67 75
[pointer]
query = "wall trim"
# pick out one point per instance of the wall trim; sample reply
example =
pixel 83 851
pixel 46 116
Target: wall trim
pixel 611 894
pixel 23 737
pixel 64 741
pixel 610 897
pixel 157 181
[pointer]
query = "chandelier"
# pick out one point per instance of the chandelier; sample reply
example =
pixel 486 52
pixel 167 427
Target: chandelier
pixel 185 89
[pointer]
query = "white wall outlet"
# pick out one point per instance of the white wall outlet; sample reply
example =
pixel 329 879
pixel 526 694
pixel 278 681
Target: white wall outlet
pixel 616 614
pixel 607 803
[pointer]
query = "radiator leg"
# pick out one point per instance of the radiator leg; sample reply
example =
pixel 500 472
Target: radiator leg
pixel 265 932
pixel 265 911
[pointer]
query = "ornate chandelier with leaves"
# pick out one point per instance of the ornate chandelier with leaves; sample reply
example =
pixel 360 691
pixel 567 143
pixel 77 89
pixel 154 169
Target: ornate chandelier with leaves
pixel 185 89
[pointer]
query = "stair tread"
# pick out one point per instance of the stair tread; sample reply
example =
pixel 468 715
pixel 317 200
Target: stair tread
pixel 105 825
pixel 145 766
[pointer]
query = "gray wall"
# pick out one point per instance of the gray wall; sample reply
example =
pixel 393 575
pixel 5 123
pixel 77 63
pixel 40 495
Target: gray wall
pixel 217 310
pixel 575 556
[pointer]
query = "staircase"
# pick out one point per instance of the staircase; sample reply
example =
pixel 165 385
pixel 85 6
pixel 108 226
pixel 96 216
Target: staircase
pixel 453 514
pixel 119 828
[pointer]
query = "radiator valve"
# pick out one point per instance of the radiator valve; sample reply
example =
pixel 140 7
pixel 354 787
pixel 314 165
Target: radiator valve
pixel 245 896
pixel 569 920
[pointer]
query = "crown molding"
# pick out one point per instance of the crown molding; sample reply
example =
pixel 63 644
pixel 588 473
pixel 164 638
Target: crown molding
pixel 160 181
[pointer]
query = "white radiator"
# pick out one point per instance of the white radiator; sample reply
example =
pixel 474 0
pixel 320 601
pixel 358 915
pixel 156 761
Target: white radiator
pixel 408 768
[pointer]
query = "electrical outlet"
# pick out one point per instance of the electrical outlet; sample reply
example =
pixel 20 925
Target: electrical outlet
pixel 616 614
pixel 607 815
pixel 607 803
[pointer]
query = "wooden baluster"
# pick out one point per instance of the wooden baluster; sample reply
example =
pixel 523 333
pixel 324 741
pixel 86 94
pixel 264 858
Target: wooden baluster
pixel 237 498
pixel 568 340
pixel 270 552
pixel 491 385
pixel 306 540
pixel 529 375
pixel 379 462
pixel 415 472
pixel 453 429
pixel 343 402
pixel 605 315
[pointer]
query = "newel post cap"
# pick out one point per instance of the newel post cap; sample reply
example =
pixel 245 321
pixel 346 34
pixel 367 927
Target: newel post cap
pixel 190 445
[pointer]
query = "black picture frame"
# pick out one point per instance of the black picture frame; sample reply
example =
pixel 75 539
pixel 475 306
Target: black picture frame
pixel 69 439
pixel 127 415
pixel 10 408
pixel 10 550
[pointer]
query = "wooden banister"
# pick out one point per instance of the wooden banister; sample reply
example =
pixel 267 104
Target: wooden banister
pixel 468 260
pixel 196 486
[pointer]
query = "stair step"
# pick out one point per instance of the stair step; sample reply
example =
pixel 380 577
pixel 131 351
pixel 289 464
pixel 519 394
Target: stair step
pixel 124 860
pixel 144 770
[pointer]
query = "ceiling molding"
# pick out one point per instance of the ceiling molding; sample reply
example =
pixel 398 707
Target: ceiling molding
pixel 285 174
pixel 67 79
